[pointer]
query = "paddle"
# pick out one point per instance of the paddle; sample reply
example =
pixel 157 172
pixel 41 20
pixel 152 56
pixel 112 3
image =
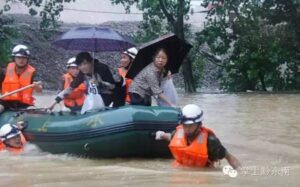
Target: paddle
pixel 19 90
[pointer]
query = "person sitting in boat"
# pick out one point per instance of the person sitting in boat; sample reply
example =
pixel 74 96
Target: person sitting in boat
pixel 19 73
pixel 75 99
pixel 127 58
pixel 192 144
pixel 95 73
pixel 147 82
pixel 12 138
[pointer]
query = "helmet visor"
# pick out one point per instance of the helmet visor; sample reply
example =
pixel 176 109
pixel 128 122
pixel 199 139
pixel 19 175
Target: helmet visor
pixel 12 133
pixel 21 53
pixel 191 120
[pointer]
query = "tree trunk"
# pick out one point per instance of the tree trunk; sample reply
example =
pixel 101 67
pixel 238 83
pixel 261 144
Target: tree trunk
pixel 189 84
pixel 262 80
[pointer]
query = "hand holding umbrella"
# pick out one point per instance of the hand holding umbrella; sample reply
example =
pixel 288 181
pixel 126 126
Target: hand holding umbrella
pixel 92 39
pixel 177 49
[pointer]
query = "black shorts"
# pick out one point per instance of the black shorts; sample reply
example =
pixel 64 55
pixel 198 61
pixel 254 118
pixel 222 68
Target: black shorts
pixel 13 105
pixel 74 108
pixel 136 99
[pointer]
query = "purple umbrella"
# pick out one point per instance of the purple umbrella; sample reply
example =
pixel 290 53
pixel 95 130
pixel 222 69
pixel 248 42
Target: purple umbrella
pixel 93 39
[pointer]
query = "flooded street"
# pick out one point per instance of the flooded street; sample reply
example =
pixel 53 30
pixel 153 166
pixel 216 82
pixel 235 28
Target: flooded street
pixel 261 130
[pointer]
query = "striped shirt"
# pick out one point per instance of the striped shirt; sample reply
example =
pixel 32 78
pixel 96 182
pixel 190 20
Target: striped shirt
pixel 147 82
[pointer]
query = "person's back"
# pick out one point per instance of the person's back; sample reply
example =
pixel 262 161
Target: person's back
pixel 104 71
pixel 111 76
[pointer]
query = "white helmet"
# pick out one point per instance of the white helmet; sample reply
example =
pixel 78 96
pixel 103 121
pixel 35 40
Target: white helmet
pixel 132 52
pixel 20 51
pixel 8 131
pixel 71 62
pixel 191 114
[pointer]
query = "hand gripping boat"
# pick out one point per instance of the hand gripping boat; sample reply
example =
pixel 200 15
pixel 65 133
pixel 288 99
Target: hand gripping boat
pixel 127 131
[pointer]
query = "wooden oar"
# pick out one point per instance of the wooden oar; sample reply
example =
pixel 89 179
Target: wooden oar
pixel 18 90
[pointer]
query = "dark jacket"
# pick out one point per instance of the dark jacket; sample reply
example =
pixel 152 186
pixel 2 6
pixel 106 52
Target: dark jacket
pixel 102 70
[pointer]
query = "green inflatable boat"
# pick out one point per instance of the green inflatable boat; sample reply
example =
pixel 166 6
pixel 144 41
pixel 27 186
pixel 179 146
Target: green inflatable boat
pixel 127 131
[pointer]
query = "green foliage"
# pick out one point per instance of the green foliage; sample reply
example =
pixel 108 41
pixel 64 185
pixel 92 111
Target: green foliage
pixel 150 29
pixel 260 42
pixel 50 10
pixel 7 33
pixel 160 17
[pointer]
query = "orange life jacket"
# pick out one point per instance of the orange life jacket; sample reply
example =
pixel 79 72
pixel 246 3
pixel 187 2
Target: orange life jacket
pixel 77 96
pixel 128 83
pixel 195 154
pixel 2 146
pixel 12 149
pixel 13 81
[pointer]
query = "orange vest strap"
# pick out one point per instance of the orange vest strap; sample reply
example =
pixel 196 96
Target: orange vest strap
pixel 77 96
pixel 128 83
pixel 195 154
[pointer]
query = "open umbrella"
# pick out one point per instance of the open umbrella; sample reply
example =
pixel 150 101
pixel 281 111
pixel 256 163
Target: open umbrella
pixel 93 39
pixel 176 48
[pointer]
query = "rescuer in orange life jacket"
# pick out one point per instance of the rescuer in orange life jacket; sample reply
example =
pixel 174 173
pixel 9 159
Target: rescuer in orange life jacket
pixel 193 144
pixel 127 58
pixel 75 99
pixel 19 73
pixel 11 138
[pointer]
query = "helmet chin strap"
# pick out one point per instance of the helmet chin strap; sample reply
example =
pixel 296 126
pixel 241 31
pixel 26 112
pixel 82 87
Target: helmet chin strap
pixel 129 65
pixel 195 133
pixel 22 67
pixel 10 146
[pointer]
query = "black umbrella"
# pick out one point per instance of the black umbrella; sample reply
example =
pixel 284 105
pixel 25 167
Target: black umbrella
pixel 176 48
pixel 93 39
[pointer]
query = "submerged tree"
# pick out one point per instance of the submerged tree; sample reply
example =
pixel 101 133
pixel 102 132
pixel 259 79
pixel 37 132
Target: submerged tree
pixel 259 42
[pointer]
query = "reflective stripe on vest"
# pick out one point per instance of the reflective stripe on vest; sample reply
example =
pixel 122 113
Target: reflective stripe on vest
pixel 128 83
pixel 13 81
pixel 195 154
pixel 77 96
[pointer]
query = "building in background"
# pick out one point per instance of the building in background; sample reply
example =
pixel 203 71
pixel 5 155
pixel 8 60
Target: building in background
pixel 96 12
